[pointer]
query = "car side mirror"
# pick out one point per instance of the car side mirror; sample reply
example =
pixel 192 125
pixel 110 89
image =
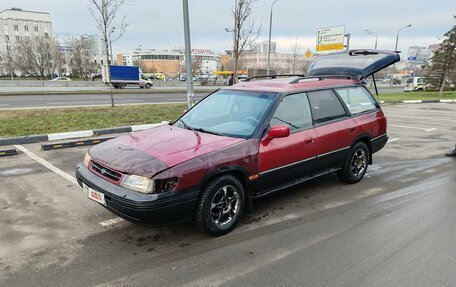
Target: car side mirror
pixel 278 132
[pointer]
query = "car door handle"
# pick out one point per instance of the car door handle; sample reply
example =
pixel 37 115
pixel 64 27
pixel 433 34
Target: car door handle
pixel 308 140
pixel 353 129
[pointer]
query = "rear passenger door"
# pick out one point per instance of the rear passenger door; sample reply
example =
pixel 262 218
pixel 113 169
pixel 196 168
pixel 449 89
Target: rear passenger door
pixel 335 129
pixel 284 160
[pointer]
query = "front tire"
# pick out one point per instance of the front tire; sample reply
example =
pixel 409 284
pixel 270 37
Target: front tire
pixel 220 206
pixel 356 164
pixel 148 86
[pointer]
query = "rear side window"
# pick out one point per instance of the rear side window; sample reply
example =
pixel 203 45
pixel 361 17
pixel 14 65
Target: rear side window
pixel 357 99
pixel 325 106
pixel 294 112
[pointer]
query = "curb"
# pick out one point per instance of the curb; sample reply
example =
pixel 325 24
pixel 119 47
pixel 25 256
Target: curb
pixel 70 144
pixel 77 134
pixel 417 101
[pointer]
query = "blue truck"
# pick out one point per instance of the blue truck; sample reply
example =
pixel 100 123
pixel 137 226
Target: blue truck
pixel 121 76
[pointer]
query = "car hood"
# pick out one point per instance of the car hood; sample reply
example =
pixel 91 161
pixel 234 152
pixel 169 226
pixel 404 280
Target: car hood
pixel 153 150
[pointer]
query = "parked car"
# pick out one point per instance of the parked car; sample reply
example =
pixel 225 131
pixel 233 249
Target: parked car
pixel 60 79
pixel 416 84
pixel 241 143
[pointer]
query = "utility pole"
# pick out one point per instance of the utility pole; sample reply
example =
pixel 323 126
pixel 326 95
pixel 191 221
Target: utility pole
pixel 347 47
pixel 188 56
pixel 269 41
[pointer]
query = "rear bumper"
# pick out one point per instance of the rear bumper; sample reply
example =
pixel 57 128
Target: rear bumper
pixel 379 142
pixel 146 209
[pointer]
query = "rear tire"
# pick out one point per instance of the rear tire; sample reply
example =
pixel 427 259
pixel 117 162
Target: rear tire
pixel 356 164
pixel 220 206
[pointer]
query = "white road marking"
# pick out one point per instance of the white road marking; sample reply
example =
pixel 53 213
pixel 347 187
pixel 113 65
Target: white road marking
pixel 415 128
pixel 405 109
pixel 424 118
pixel 47 164
pixel 412 101
pixel 111 221
pixel 393 140
pixel 430 130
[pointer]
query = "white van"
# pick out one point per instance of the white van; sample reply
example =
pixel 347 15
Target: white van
pixel 416 84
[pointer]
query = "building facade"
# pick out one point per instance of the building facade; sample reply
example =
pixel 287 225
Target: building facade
pixel 16 23
pixel 170 62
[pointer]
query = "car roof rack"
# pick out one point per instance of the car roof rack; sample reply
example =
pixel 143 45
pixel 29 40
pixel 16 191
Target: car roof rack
pixel 274 76
pixel 321 77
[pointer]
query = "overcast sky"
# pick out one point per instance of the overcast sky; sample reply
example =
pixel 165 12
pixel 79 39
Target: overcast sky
pixel 157 24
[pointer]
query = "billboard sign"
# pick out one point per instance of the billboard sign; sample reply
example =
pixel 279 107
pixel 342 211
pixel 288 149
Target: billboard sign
pixel 330 39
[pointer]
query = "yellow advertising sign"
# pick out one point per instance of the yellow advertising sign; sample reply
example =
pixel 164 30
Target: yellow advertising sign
pixel 330 47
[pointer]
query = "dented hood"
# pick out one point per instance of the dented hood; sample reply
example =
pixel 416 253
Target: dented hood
pixel 150 151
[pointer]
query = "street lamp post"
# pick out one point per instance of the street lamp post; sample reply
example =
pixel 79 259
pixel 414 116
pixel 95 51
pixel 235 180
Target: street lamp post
pixel 269 41
pixel 188 56
pixel 110 43
pixel 374 34
pixel 395 49
pixel 397 36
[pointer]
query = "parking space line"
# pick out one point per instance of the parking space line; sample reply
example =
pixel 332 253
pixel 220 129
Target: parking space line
pixel 111 221
pixel 417 110
pixel 393 140
pixel 47 164
pixel 424 118
pixel 415 128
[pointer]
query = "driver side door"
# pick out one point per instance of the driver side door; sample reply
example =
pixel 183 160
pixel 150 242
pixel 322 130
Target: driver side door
pixel 282 161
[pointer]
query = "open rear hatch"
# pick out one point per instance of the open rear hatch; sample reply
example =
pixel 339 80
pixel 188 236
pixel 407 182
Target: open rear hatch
pixel 358 64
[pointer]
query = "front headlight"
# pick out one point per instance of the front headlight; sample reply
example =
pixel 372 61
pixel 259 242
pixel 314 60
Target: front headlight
pixel 87 159
pixel 138 183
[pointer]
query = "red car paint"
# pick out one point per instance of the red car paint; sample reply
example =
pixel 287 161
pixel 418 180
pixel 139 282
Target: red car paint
pixel 189 159
pixel 163 147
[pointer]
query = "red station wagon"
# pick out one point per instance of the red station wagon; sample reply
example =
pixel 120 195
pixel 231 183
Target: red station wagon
pixel 241 143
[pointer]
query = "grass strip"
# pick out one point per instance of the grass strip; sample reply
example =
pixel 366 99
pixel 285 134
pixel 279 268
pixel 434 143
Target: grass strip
pixel 28 122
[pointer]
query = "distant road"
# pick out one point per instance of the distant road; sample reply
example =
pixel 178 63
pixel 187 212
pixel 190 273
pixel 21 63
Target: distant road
pixel 77 100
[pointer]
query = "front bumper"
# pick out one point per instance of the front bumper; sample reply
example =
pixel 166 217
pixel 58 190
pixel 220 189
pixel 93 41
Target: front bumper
pixel 146 209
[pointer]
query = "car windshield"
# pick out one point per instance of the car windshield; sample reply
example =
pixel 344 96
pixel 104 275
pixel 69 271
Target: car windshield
pixel 228 112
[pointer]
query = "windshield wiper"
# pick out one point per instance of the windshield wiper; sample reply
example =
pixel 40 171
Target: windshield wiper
pixel 185 125
pixel 206 131
pixel 288 123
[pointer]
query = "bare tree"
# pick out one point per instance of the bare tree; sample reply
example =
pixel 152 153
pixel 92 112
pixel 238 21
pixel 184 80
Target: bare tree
pixel 37 56
pixel 245 30
pixel 82 64
pixel 295 48
pixel 197 66
pixel 105 13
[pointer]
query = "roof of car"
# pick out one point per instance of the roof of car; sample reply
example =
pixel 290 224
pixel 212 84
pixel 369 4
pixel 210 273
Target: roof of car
pixel 284 85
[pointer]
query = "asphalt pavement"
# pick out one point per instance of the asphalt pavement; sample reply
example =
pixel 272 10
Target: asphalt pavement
pixel 78 100
pixel 394 228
